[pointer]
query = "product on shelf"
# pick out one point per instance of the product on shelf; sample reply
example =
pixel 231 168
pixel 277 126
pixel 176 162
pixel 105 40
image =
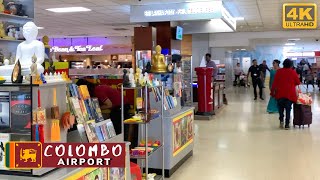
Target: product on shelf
pixel 21 109
pixel 158 61
pixel 55 130
pixel 16 76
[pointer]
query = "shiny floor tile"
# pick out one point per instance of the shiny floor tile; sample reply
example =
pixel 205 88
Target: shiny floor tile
pixel 244 142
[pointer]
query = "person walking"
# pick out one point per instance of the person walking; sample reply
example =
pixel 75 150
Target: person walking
pixel 256 75
pixel 273 105
pixel 211 64
pixel 284 91
pixel 264 67
pixel 310 79
pixel 237 73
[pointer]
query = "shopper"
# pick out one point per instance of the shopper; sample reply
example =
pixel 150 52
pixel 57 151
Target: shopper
pixel 299 70
pixel 109 98
pixel 212 64
pixel 237 73
pixel 284 90
pixel 264 67
pixel 256 75
pixel 273 105
pixel 309 79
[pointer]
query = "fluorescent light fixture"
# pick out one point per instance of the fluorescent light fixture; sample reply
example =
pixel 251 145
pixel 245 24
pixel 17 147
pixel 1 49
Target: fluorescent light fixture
pixel 243 49
pixel 68 9
pixel 294 39
pixel 237 49
pixel 105 60
pixel 290 44
pixel 239 18
pixel 40 27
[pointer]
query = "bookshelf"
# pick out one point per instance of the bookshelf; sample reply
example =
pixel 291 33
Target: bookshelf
pixel 145 107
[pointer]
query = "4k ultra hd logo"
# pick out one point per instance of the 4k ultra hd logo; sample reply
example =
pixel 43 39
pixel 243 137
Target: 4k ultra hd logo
pixel 299 16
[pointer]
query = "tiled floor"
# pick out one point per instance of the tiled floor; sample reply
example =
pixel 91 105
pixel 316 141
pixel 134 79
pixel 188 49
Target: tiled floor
pixel 243 142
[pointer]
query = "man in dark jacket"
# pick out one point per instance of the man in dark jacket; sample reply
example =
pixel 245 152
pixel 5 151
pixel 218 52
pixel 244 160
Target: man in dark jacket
pixel 264 67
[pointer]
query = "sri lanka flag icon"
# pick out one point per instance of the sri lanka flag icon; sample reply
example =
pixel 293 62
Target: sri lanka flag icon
pixel 23 155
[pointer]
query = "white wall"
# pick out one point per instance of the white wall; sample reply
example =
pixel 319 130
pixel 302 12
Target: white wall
pixel 243 38
pixel 200 46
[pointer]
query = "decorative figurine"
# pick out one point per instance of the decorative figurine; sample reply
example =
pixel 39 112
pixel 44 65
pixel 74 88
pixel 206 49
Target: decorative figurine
pixel 158 62
pixel 43 79
pixel 2 31
pixel 16 76
pixel 6 62
pixel 33 68
pixel 131 78
pixel 170 68
pixel 1 6
pixel 11 33
pixel 51 68
pixel 148 67
pixel 137 76
pixel 125 80
pixel 146 78
pixel 141 80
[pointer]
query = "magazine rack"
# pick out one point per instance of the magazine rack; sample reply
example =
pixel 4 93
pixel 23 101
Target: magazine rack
pixel 146 105
pixel 18 101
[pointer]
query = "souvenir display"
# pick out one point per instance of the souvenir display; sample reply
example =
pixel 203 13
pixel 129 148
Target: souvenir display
pixel 33 68
pixel 131 78
pixel 16 76
pixel 125 79
pixel 15 9
pixel 1 6
pixel 158 64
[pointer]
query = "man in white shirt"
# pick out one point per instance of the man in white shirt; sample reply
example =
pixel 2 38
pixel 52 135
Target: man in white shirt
pixel 237 73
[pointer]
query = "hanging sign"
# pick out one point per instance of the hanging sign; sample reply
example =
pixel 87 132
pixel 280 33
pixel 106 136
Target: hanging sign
pixel 70 49
pixel 176 11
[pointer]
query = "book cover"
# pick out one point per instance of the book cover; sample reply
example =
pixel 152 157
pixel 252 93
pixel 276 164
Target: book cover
pixel 98 112
pixel 99 134
pixel 91 131
pixel 21 110
pixel 84 92
pixel 4 138
pixel 83 108
pixel 88 108
pixel 4 109
pixel 71 90
pixel 104 131
pixel 110 128
pixel 77 109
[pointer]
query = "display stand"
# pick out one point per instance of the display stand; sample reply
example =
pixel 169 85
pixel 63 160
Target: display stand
pixel 148 120
pixel 17 130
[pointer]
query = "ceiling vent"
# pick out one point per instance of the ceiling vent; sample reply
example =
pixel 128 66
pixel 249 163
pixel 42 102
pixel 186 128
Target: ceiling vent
pixel 120 29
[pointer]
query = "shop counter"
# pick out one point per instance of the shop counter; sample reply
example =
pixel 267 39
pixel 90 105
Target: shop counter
pixel 179 140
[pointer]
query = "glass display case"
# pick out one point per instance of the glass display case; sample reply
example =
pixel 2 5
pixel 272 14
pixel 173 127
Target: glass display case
pixel 18 102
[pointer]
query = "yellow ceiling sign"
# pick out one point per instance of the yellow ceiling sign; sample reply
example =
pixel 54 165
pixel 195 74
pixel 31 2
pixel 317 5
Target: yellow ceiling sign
pixel 299 16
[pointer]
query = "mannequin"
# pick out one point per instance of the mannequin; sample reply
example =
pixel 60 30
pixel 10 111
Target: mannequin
pixel 25 50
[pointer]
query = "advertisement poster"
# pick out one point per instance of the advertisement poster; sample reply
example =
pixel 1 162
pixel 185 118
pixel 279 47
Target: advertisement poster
pixel 4 109
pixel 117 174
pixel 182 132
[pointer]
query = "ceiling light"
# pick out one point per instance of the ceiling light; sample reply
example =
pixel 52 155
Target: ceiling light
pixel 294 39
pixel 239 18
pixel 290 44
pixel 68 9
pixel 105 60
pixel 40 27
pixel 243 49
pixel 126 60
pixel 237 49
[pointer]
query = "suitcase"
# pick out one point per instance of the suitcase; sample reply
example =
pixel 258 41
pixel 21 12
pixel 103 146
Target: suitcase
pixel 302 115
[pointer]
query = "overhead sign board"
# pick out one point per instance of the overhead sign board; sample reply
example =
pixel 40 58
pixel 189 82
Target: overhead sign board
pixel 299 16
pixel 176 11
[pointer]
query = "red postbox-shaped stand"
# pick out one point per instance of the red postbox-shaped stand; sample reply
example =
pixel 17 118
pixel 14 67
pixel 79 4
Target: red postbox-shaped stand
pixel 205 97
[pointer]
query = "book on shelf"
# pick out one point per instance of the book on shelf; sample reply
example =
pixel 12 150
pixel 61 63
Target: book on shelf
pixel 98 112
pixel 91 131
pixel 4 138
pixel 110 129
pixel 104 131
pixel 21 110
pixel 84 92
pixel 89 108
pixel 75 105
pixel 99 134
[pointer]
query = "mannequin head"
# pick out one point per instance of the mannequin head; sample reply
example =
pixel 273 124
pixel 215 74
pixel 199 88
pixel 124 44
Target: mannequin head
pixel 30 31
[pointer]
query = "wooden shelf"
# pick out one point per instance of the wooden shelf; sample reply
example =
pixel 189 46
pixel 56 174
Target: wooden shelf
pixel 10 40
pixel 14 18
